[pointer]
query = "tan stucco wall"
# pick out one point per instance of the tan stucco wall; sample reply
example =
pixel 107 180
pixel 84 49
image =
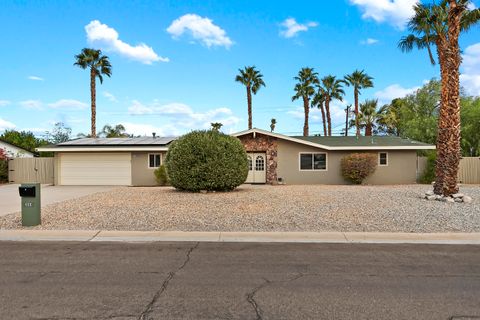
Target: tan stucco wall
pixel 401 169
pixel 142 175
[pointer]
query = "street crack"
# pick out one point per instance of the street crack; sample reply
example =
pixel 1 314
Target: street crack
pixel 251 295
pixel 163 288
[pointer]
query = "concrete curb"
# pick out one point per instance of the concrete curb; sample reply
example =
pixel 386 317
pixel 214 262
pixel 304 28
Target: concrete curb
pixel 263 237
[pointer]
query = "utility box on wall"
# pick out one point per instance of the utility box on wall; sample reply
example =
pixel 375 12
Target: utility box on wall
pixel 31 205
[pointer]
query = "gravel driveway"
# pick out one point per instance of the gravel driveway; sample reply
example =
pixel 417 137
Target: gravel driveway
pixel 263 208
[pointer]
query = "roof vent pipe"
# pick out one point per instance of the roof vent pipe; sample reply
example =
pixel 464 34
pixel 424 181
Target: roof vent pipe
pixel 153 135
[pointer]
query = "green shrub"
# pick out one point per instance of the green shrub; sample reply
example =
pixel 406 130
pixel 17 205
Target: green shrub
pixel 356 167
pixel 428 175
pixel 207 160
pixel 161 176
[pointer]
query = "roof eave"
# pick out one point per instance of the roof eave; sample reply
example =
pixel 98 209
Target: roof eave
pixel 102 149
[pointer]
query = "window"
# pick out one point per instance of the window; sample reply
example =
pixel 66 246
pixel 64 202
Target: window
pixel 383 159
pixel 154 160
pixel 250 165
pixel 259 164
pixel 313 161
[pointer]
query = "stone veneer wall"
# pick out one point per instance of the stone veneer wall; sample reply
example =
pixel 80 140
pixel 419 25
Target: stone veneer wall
pixel 267 144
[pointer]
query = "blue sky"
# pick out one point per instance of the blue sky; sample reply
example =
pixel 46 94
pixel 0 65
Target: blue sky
pixel 174 62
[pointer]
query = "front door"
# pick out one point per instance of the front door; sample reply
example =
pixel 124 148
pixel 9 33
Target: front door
pixel 256 168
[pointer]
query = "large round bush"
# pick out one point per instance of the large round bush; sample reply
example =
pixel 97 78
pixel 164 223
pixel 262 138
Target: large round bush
pixel 207 160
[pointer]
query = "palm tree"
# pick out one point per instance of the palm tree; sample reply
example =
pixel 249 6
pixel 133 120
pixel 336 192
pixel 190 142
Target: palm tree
pixel 331 88
pixel 305 88
pixel 440 25
pixel 318 101
pixel 99 66
pixel 117 131
pixel 358 80
pixel 273 123
pixel 252 79
pixel 368 116
pixel 389 117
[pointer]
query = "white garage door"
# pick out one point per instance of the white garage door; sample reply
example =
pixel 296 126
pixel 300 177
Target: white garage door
pixel 90 169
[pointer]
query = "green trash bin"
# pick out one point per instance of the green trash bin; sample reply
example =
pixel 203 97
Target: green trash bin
pixel 31 206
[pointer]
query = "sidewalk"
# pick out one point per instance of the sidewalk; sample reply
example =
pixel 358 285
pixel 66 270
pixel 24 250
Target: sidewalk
pixel 265 237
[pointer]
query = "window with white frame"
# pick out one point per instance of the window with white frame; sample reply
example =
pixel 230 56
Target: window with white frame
pixel 313 161
pixel 383 159
pixel 154 160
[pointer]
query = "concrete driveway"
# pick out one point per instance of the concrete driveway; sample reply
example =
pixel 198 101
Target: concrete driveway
pixel 10 200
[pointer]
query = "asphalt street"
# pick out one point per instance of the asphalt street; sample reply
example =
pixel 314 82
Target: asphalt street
pixel 65 280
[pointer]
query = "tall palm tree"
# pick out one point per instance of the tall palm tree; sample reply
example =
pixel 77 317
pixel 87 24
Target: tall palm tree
pixel 331 88
pixel 368 116
pixel 117 131
pixel 99 66
pixel 430 26
pixel 358 80
pixel 318 102
pixel 307 79
pixel 450 118
pixel 252 79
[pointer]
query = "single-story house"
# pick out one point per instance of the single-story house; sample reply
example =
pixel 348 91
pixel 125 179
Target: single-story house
pixel 14 151
pixel 273 158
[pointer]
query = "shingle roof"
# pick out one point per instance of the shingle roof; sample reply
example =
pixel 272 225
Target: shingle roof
pixel 141 141
pixel 377 141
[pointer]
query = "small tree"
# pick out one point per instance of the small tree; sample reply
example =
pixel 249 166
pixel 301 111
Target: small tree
pixel 60 133
pixel 356 167
pixel 161 176
pixel 273 123
pixel 216 126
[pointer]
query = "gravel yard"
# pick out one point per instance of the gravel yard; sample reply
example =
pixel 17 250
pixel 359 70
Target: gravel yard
pixel 263 208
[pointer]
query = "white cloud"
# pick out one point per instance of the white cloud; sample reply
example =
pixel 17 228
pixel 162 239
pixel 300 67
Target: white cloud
pixel 110 96
pixel 394 12
pixel 68 104
pixel 369 41
pixel 290 27
pixel 35 78
pixel 142 129
pixel 106 38
pixel 4 103
pixel 470 77
pixel 6 125
pixel 32 104
pixel 392 92
pixel 182 118
pixel 200 29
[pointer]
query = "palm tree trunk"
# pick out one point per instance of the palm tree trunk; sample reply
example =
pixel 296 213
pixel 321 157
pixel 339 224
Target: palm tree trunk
pixel 357 125
pixel 368 130
pixel 327 110
pixel 322 109
pixel 93 103
pixel 306 109
pixel 249 105
pixel 442 134
pixel 452 147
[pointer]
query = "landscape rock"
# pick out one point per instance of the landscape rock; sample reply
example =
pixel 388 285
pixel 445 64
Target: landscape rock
pixel 429 193
pixel 449 200
pixel 457 195
pixel 467 199
pixel 458 199
pixel 431 197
